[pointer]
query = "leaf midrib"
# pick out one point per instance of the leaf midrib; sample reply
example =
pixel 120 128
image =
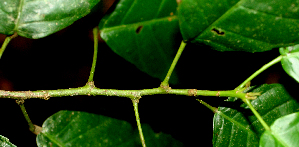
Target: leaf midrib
pixel 221 17
pixel 19 14
pixel 174 17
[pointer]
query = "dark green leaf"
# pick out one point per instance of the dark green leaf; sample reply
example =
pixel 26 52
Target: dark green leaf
pixel 284 132
pixel 237 126
pixel 160 139
pixel 74 128
pixel 240 25
pixel 145 33
pixel 290 61
pixel 4 142
pixel 40 18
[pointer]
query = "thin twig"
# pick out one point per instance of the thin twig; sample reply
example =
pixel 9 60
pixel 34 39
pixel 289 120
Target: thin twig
pixel 135 104
pixel 31 125
pixel 4 45
pixel 174 62
pixel 95 54
pixel 266 66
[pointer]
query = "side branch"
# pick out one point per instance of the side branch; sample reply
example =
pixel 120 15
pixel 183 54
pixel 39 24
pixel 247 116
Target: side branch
pixel 133 94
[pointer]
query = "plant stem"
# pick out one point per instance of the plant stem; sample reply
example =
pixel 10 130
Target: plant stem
pixel 31 126
pixel 135 104
pixel 274 61
pixel 174 62
pixel 247 101
pixel 257 115
pixel 88 90
pixel 95 54
pixel 4 45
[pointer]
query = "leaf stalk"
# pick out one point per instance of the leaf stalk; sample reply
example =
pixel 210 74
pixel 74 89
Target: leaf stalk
pixel 4 45
pixel 23 109
pixel 257 115
pixel 174 62
pixel 135 104
pixel 95 54
pixel 263 68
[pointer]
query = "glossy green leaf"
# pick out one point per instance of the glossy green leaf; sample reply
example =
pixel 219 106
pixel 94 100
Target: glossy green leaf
pixel 4 142
pixel 40 18
pixel 290 60
pixel 74 128
pixel 240 25
pixel 284 132
pixel 159 139
pixel 145 33
pixel 236 126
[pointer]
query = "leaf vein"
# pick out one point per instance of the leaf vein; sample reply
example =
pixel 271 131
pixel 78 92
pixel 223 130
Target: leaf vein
pixel 258 11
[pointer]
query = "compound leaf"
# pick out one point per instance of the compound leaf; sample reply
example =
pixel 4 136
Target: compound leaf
pixel 39 18
pixel 237 126
pixel 240 25
pixel 145 33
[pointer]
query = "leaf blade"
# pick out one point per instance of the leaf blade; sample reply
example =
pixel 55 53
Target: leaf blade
pixel 284 132
pixel 74 128
pixel 145 33
pixel 239 25
pixel 37 19
pixel 290 61
pixel 274 102
pixel 5 142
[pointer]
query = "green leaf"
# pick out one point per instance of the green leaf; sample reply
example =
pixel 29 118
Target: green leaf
pixel 4 142
pixel 240 25
pixel 145 33
pixel 290 61
pixel 153 139
pixel 284 132
pixel 237 126
pixel 74 128
pixel 40 18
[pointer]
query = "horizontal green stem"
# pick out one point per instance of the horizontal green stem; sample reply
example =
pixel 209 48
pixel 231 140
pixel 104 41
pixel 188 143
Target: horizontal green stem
pixel 89 90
